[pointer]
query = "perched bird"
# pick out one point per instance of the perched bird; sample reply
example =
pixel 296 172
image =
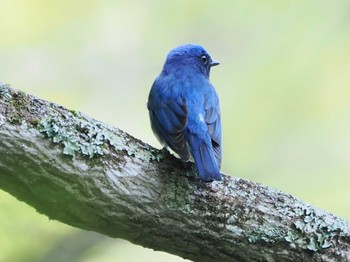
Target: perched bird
pixel 184 109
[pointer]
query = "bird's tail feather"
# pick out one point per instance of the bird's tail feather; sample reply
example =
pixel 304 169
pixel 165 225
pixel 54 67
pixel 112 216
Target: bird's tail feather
pixel 203 155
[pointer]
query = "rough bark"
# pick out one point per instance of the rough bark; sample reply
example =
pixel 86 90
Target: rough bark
pixel 96 177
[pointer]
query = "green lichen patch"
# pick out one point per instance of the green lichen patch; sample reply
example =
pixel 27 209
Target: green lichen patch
pixel 316 231
pixel 265 235
pixel 76 136
pixel 82 135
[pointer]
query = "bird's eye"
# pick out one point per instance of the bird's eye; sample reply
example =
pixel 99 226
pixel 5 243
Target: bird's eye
pixel 204 59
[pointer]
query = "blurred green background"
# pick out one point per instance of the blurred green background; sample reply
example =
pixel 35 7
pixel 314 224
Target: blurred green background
pixel 284 84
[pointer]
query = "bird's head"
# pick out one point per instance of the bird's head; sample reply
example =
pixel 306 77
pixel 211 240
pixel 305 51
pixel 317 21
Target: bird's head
pixel 190 56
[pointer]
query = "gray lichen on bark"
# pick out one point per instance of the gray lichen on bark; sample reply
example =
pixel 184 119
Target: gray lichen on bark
pixel 90 175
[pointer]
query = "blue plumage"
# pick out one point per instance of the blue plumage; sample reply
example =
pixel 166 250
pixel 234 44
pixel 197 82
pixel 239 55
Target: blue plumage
pixel 184 109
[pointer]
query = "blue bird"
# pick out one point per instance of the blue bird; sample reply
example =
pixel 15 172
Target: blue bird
pixel 184 109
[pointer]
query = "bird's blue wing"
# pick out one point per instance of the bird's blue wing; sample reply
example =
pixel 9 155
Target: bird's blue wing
pixel 168 117
pixel 213 121
pixel 204 138
pixel 206 163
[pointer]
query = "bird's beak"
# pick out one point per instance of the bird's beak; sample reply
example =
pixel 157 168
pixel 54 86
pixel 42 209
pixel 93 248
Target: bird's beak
pixel 214 63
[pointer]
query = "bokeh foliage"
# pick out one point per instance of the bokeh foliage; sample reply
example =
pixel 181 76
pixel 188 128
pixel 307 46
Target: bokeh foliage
pixel 283 82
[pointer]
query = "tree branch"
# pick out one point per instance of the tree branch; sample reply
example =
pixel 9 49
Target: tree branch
pixel 87 174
